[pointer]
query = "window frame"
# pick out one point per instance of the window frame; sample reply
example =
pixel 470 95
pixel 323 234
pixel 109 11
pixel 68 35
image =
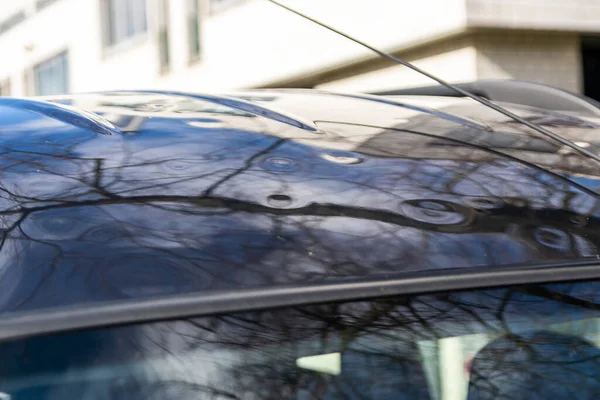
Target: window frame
pixel 84 316
pixel 111 44
pixel 426 350
pixel 31 76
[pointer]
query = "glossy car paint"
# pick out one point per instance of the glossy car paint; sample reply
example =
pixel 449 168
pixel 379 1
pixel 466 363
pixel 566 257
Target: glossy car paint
pixel 135 195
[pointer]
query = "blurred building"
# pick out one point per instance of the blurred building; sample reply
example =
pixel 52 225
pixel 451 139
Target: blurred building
pixel 55 46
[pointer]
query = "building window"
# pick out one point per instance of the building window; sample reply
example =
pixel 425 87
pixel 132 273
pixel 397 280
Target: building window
pixel 123 20
pixel 5 87
pixel 52 76
pixel 193 27
pixel 163 34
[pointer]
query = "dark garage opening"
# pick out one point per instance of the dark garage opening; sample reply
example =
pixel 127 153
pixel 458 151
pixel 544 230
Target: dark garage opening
pixel 590 56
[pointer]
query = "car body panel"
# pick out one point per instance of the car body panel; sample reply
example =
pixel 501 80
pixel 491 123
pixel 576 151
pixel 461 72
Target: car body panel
pixel 164 194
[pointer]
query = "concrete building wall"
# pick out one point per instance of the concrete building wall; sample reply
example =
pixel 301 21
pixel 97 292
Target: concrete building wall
pixel 257 43
pixel 549 58
pixel 454 60
pixel 561 15
pixel 552 59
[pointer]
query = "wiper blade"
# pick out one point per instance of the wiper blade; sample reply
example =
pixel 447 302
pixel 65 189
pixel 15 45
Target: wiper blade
pixel 545 132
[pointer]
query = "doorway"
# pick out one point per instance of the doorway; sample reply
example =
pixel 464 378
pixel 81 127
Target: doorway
pixel 590 57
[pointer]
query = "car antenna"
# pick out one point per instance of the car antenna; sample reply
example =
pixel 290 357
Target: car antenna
pixel 442 82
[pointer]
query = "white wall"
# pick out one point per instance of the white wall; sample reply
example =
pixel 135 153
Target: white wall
pixel 565 15
pixel 454 62
pixel 7 7
pixel 243 46
pixel 255 42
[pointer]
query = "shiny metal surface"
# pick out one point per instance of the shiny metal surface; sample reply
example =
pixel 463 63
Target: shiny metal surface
pixel 191 194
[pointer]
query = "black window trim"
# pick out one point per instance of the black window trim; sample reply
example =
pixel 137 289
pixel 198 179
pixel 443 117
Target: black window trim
pixel 56 320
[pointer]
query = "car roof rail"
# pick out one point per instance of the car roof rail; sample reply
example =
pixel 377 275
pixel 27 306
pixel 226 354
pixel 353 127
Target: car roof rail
pixel 512 91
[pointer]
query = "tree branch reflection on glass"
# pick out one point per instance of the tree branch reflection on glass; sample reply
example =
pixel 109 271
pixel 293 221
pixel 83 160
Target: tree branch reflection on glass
pixel 529 342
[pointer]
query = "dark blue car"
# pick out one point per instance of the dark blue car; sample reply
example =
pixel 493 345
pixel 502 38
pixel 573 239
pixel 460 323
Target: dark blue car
pixel 302 245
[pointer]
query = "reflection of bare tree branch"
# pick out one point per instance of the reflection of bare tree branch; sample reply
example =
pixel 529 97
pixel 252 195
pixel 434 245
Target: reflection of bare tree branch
pixel 253 355
pixel 564 298
pixel 248 164
pixel 492 223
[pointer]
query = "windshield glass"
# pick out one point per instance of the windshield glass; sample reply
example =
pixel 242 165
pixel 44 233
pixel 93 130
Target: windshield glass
pixel 534 342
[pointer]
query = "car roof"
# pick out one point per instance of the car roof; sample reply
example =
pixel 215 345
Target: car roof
pixel 135 195
pixel 513 91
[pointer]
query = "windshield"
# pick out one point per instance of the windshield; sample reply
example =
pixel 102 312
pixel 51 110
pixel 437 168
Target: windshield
pixel 534 342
